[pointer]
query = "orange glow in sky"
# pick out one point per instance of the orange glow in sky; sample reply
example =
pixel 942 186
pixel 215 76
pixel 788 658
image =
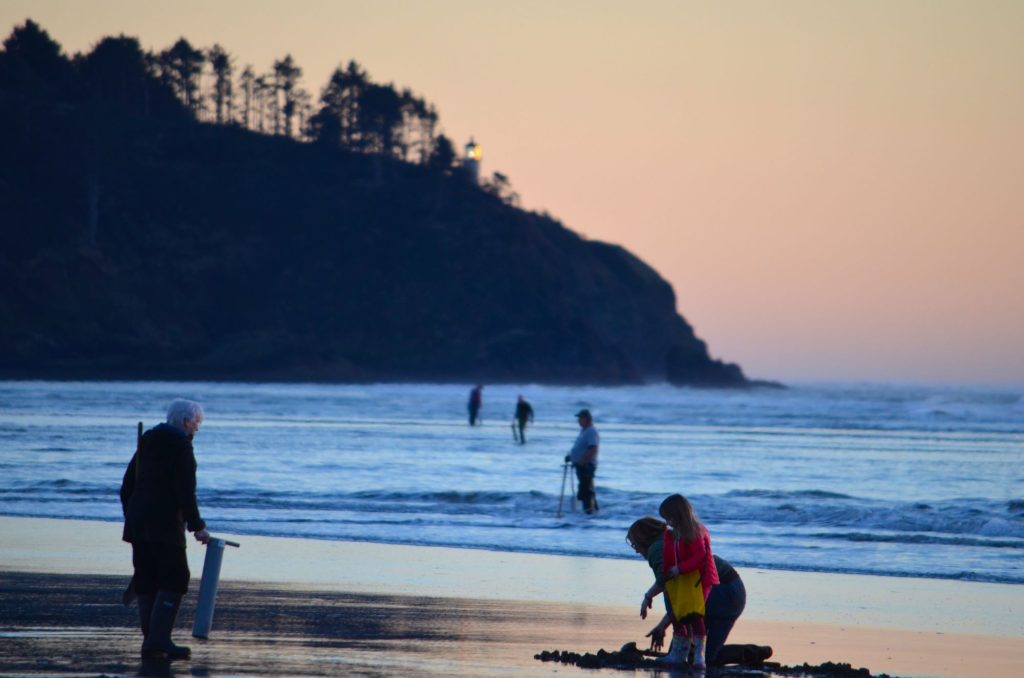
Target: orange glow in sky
pixel 834 189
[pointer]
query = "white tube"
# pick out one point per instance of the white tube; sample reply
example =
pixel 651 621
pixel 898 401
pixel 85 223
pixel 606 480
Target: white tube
pixel 208 588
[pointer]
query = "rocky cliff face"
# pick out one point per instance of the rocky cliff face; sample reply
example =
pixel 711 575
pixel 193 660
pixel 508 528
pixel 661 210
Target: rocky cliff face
pixel 171 249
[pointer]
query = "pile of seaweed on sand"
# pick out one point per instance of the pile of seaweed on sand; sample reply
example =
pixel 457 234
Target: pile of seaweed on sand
pixel 629 657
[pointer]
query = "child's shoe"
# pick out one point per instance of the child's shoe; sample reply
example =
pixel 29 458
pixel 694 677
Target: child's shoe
pixel 698 653
pixel 678 651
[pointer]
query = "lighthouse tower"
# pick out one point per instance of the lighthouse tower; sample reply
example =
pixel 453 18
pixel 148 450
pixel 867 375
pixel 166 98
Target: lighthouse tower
pixel 471 161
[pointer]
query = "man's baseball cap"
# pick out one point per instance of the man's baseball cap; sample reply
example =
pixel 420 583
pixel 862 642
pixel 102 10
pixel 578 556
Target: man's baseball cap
pixel 584 413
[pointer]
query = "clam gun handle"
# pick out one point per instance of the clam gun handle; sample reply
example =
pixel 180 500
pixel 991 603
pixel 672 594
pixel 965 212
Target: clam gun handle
pixel 208 586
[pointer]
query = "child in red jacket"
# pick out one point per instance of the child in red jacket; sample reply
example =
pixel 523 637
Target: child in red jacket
pixel 692 552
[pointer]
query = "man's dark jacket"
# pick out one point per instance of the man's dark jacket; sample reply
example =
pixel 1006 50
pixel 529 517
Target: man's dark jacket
pixel 158 492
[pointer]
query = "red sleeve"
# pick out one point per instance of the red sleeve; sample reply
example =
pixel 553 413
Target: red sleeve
pixel 668 552
pixel 695 555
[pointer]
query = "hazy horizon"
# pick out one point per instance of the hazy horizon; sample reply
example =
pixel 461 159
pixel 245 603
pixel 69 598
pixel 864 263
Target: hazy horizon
pixel 833 190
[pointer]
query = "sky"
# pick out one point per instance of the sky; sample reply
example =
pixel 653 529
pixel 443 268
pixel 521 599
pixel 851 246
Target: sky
pixel 835 190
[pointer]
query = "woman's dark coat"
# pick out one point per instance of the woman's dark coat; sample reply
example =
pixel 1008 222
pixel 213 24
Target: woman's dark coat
pixel 158 492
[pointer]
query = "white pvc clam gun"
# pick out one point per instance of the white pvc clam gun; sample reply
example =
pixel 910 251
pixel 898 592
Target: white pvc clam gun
pixel 208 586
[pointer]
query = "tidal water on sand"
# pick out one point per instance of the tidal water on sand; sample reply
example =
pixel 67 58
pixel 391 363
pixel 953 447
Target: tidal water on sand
pixel 915 481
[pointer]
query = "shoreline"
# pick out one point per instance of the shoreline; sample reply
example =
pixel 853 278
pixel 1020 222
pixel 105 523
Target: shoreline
pixel 900 626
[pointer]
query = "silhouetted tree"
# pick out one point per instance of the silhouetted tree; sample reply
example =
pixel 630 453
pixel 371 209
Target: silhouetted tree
pixel 223 95
pixel 359 115
pixel 182 66
pixel 325 128
pixel 340 99
pixel 418 121
pixel 119 72
pixel 286 80
pixel 303 112
pixel 266 103
pixel 380 118
pixel 247 80
pixel 442 157
pixel 354 82
pixel 427 138
pixel 354 112
pixel 500 186
pixel 410 114
pixel 32 61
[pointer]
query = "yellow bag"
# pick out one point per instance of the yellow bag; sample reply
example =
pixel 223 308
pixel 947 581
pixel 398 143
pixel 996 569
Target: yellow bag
pixel 685 595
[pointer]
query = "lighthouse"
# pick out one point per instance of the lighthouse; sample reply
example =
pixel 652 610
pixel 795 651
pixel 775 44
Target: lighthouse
pixel 471 161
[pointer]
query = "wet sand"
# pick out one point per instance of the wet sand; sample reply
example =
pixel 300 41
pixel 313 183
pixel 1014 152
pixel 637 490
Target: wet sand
pixel 75 624
pixel 305 607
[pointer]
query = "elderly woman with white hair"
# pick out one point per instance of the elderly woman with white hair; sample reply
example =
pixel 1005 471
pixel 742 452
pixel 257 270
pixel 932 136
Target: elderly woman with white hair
pixel 158 497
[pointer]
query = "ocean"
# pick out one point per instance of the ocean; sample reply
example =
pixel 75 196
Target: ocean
pixel 858 478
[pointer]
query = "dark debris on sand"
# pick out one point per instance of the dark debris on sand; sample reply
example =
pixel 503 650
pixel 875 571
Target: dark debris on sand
pixel 629 657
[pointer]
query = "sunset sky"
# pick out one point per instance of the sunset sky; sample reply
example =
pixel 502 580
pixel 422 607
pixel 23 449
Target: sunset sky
pixel 834 189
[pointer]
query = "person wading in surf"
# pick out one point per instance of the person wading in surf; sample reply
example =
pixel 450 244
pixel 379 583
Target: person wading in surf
pixel 524 414
pixel 476 401
pixel 583 457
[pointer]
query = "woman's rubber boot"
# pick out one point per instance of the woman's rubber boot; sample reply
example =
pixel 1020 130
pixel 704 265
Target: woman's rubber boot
pixel 698 653
pixel 161 622
pixel 145 612
pixel 678 651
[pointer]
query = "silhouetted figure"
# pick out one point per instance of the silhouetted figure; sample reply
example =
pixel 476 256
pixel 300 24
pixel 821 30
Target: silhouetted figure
pixel 524 414
pixel 476 401
pixel 158 498
pixel 584 459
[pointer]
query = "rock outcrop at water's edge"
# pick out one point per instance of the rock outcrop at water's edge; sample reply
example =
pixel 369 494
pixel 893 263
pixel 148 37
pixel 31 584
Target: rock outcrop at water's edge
pixel 630 658
pixel 161 247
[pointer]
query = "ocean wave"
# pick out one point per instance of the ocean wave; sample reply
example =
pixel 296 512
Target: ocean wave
pixel 913 538
pixel 59 487
pixel 951 519
pixel 954 575
pixel 966 516
pixel 777 494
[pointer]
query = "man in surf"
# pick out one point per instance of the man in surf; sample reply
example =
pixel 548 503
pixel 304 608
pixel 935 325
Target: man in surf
pixel 524 414
pixel 583 457
pixel 476 400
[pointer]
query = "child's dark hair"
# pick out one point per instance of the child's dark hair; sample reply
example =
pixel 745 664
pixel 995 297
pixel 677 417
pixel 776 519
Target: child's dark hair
pixel 644 532
pixel 678 512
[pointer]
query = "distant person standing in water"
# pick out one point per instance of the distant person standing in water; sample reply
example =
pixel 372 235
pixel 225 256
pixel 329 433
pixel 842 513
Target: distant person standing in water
pixel 476 401
pixel 158 498
pixel 584 459
pixel 524 413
